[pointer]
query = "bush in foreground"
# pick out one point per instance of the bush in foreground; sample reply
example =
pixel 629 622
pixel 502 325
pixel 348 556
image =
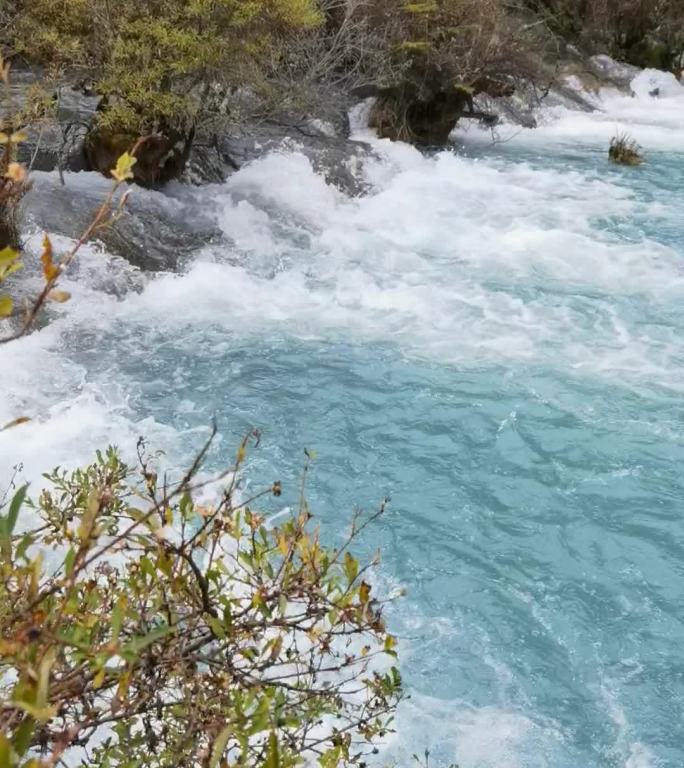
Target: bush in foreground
pixel 140 627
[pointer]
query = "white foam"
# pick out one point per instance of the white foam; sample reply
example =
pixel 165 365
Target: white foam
pixel 449 258
pixel 655 121
pixel 470 737
pixel 456 260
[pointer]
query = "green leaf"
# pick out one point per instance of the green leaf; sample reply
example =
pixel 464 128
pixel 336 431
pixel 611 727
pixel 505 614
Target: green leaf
pixel 117 616
pixel 24 544
pixel 220 746
pixel 273 755
pixel 5 752
pixel 44 678
pixel 351 567
pixel 69 561
pixel 14 508
pixel 261 717
pixel 23 736
pixel 6 306
pixel 137 644
pixel 124 167
pixel 217 627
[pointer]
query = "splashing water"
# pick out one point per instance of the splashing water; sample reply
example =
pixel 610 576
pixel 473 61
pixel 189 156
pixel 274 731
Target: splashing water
pixel 495 337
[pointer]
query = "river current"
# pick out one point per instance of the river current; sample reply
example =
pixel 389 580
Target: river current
pixel 494 337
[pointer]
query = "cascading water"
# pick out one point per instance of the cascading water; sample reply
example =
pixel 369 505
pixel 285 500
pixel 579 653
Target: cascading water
pixel 495 338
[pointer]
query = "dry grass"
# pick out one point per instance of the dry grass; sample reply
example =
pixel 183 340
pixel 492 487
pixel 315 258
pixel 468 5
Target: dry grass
pixel 624 150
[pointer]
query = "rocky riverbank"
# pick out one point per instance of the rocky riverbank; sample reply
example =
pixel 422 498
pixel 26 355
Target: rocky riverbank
pixel 153 237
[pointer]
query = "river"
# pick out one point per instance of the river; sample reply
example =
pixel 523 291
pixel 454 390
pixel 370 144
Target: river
pixel 493 336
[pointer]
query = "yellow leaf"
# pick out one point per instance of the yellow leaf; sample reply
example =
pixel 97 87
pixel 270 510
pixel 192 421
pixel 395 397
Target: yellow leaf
pixel 98 680
pixel 124 167
pixel 50 269
pixel 59 296
pixel 8 255
pixel 8 262
pixel 276 648
pixel 6 305
pixel 18 137
pixel 4 138
pixel 16 173
pixel 16 423
pixel 4 70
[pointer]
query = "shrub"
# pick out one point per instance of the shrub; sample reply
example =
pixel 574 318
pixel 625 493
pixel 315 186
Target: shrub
pixel 14 185
pixel 440 53
pixel 157 60
pixel 140 626
pixel 648 33
pixel 455 40
pixel 624 150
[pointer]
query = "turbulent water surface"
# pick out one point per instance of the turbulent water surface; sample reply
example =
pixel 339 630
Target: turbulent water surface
pixel 494 336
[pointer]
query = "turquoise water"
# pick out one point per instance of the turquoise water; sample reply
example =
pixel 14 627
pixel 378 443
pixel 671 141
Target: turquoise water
pixel 494 338
pixel 536 522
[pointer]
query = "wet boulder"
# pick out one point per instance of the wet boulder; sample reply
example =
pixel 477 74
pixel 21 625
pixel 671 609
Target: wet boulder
pixel 159 231
pixel 324 142
pixel 611 72
pixel 161 156
pixel 60 120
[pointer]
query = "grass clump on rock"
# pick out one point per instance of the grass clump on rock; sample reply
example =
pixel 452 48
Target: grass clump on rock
pixel 624 150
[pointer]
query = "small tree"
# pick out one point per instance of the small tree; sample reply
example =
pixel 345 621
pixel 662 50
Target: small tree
pixel 441 53
pixel 141 627
pixel 163 67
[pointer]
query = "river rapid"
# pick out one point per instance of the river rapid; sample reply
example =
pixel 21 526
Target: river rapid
pixel 493 336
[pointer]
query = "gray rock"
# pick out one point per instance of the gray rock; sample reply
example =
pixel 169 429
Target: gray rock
pixel 612 72
pixel 333 155
pixel 57 140
pixel 563 95
pixel 157 232
pixel 509 109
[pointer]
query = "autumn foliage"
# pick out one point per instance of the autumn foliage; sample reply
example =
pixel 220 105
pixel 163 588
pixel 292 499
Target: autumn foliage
pixel 145 622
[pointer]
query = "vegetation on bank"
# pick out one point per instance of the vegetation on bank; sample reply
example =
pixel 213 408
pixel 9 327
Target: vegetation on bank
pixel 168 69
pixel 147 620
pixel 646 33
pixel 141 627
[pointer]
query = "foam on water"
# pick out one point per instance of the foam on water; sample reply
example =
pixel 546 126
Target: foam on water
pixel 496 338
pixel 656 122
